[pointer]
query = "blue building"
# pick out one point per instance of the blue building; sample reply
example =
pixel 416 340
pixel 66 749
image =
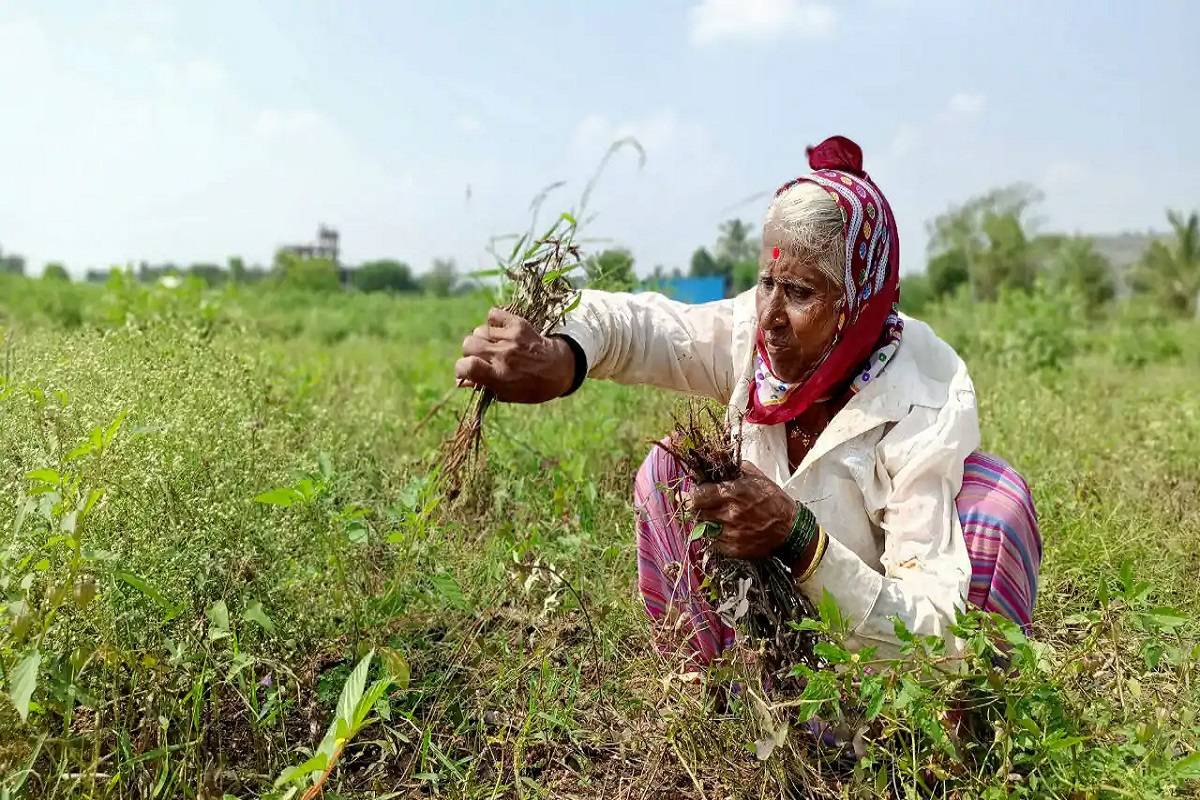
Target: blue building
pixel 691 290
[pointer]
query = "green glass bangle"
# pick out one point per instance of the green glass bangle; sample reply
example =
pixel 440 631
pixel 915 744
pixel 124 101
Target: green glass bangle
pixel 804 530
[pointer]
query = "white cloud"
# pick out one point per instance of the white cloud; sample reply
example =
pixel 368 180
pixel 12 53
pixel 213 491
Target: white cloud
pixel 963 106
pixel 759 20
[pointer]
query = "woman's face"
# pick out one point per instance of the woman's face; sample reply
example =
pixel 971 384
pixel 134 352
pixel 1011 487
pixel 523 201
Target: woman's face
pixel 797 307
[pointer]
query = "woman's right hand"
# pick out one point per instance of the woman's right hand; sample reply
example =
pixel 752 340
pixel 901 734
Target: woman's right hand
pixel 508 356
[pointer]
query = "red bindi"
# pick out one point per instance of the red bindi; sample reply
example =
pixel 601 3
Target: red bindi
pixel 775 253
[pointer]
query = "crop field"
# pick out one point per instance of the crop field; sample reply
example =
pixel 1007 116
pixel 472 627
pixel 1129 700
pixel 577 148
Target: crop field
pixel 216 503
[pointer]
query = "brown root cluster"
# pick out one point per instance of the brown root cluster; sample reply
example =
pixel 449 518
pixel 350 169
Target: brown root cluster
pixel 541 294
pixel 758 597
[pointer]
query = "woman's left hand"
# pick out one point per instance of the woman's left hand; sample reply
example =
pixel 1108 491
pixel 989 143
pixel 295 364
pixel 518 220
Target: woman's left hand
pixel 754 513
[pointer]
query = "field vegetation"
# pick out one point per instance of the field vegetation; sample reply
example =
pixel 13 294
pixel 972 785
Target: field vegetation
pixel 227 570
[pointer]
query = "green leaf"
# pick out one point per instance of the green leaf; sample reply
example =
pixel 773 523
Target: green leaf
pixel 368 701
pixel 872 695
pixel 874 705
pixel 901 630
pixel 517 247
pixel 143 586
pixel 808 624
pixel 357 534
pixel 22 682
pixel 110 432
pixel 283 496
pixel 1012 631
pixel 1125 573
pixel 1187 768
pixel 80 450
pixel 44 475
pixel 830 612
pixel 93 497
pixel 352 692
pixel 1140 591
pixel 218 615
pixel 1165 617
pixel 396 666
pixel 254 613
pixel 325 463
pixel 449 589
pixel 294 774
pixel 1064 743
pixel 831 653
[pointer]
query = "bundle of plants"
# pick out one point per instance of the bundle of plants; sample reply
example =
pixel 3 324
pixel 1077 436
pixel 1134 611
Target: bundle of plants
pixel 534 286
pixel 758 597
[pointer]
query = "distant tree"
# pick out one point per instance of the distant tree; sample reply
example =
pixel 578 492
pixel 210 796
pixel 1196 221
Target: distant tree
pixel 12 263
pixel 312 274
pixel 1171 273
pixel 946 272
pixel 703 264
pixel 735 245
pixel 384 275
pixel 735 256
pixel 983 243
pixel 247 274
pixel 55 271
pixel 237 269
pixel 152 273
pixel 211 274
pixel 916 292
pixel 1074 264
pixel 745 275
pixel 611 270
pixel 441 278
pixel 1007 259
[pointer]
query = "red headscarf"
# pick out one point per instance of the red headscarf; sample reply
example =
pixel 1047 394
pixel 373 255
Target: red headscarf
pixel 868 329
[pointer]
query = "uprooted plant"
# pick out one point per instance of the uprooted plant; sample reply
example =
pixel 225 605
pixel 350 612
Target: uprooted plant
pixel 539 292
pixel 757 596
pixel 535 285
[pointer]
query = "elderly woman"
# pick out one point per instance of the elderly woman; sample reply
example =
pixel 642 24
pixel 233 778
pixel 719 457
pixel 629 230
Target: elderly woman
pixel 860 433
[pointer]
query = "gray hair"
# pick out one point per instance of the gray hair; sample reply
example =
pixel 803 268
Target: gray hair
pixel 813 223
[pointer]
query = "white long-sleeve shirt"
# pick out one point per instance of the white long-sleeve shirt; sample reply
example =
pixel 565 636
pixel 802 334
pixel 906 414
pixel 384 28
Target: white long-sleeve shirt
pixel 882 477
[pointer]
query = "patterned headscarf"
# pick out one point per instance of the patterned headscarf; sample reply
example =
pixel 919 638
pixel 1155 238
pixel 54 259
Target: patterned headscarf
pixel 869 327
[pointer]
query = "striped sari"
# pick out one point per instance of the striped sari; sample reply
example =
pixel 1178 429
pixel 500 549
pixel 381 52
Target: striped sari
pixel 994 506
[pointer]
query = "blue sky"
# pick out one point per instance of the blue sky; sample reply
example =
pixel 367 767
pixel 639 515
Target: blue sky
pixel 195 131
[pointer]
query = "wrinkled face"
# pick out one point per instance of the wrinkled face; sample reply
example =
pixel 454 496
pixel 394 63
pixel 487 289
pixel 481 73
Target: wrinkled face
pixel 797 307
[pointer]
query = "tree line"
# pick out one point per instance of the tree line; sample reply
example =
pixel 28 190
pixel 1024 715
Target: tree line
pixel 990 243
pixel 984 246
pixel 287 269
